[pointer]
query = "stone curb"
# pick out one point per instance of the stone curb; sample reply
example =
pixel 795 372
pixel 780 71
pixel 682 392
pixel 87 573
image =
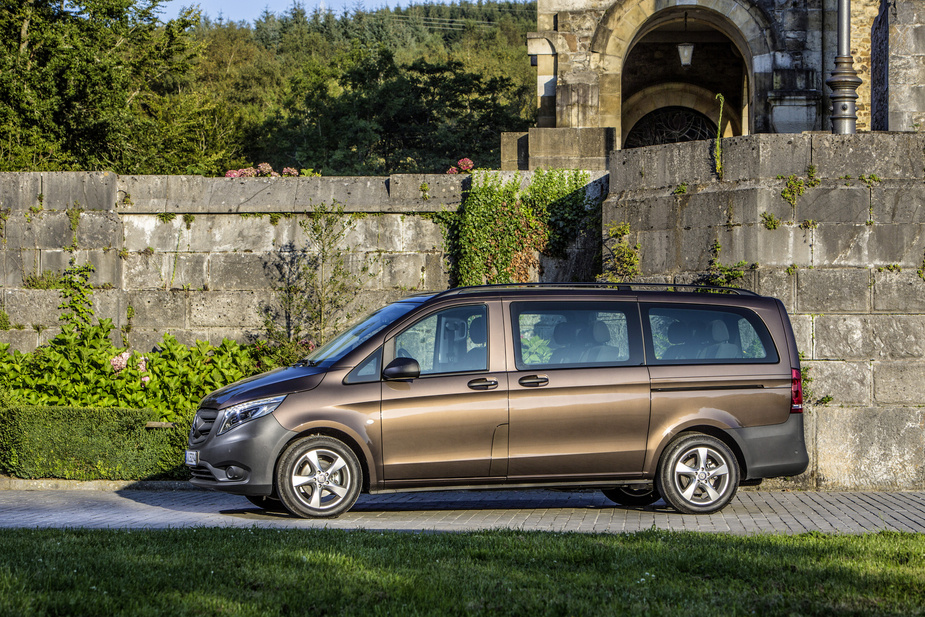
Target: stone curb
pixel 51 484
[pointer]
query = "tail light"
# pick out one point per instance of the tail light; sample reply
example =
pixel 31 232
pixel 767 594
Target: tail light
pixel 796 392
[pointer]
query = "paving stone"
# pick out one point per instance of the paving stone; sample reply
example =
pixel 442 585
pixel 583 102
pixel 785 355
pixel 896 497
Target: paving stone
pixel 100 505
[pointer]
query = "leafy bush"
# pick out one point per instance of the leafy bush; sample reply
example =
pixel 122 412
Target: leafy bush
pixel 81 367
pixel 76 369
pixel 89 444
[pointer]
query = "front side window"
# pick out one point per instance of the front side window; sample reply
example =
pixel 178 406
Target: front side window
pixel 679 334
pixel 575 334
pixel 450 341
pixel 358 334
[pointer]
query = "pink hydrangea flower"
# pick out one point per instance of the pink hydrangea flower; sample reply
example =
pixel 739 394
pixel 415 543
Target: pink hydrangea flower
pixel 119 362
pixel 465 164
pixel 231 173
pixel 264 169
pixel 452 170
pixel 289 171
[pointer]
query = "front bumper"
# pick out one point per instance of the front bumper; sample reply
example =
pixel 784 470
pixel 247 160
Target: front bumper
pixel 251 449
pixel 775 450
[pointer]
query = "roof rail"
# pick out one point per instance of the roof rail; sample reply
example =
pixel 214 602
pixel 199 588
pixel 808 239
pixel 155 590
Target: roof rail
pixel 615 286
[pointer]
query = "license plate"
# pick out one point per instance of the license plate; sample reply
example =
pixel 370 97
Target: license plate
pixel 192 457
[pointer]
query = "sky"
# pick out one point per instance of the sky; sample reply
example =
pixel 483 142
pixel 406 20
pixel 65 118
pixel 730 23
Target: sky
pixel 249 10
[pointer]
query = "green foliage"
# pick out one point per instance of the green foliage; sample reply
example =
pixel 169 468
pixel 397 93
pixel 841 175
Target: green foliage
pixel 165 217
pixel 921 271
pixel 4 321
pixel 770 221
pixel 870 180
pixel 93 443
pixel 621 261
pixel 75 369
pixel 46 280
pixel 316 292
pixel 812 181
pixel 501 227
pixel 890 268
pixel 808 224
pixel 86 84
pixel 806 379
pixel 81 366
pixel 792 269
pixel 77 295
pixel 719 275
pixel 238 571
pixel 681 189
pixel 793 189
pixel 535 350
pixel 188 219
pixel 105 84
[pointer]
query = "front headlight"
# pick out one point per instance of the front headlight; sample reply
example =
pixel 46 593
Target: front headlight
pixel 245 412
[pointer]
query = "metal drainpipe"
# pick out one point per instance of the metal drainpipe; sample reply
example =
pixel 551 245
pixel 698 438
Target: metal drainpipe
pixel 844 81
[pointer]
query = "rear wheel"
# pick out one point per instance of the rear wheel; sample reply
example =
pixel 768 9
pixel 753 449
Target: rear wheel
pixel 318 477
pixel 698 474
pixel 639 495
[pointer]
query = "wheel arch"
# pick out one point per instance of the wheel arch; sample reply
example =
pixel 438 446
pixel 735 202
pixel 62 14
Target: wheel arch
pixel 362 453
pixel 713 431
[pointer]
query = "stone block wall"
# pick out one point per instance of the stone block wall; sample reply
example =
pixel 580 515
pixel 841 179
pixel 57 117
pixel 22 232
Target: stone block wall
pixel 847 260
pixel 898 66
pixel 199 257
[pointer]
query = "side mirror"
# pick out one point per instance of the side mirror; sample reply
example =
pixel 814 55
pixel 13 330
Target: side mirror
pixel 402 368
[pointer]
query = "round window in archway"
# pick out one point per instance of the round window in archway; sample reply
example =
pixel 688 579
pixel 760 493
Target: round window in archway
pixel 670 125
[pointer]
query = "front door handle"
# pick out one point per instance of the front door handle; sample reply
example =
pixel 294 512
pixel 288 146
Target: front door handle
pixel 533 380
pixel 483 384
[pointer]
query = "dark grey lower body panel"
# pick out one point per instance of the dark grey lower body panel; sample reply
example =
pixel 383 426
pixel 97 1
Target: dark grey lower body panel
pixel 252 447
pixel 775 450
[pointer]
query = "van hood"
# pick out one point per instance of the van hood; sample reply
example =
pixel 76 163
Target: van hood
pixel 272 383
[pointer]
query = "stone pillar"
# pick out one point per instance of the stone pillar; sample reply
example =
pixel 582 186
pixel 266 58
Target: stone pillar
pixel 898 66
pixel 540 48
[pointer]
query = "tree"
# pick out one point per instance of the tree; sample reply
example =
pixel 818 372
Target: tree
pixel 79 80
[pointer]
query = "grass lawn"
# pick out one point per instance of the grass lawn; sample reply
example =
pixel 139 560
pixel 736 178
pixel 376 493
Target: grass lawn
pixel 251 571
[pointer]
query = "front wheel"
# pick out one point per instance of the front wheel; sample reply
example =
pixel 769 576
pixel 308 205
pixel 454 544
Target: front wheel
pixel 318 477
pixel 698 474
pixel 641 495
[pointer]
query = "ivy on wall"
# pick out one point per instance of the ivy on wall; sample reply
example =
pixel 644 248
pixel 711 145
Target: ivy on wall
pixel 502 226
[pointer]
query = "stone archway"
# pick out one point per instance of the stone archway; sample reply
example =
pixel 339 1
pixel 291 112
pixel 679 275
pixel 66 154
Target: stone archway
pixel 625 23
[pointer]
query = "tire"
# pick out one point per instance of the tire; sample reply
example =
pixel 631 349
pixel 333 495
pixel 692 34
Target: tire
pixel 698 474
pixel 318 477
pixel 633 495
pixel 267 503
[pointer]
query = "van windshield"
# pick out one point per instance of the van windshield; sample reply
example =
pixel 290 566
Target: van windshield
pixel 346 342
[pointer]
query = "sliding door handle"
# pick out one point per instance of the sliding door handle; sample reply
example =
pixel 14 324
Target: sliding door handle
pixel 483 384
pixel 533 380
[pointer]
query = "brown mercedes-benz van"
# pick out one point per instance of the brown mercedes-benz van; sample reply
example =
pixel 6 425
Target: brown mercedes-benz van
pixel 641 391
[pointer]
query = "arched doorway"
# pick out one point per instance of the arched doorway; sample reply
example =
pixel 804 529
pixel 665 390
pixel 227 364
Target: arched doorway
pixel 664 98
pixel 670 125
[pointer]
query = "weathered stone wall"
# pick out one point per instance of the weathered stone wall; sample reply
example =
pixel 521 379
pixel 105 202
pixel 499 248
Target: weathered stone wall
pixel 847 261
pixel 898 67
pixel 209 276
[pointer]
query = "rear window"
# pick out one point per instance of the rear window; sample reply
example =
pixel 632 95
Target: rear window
pixel 575 334
pixel 694 334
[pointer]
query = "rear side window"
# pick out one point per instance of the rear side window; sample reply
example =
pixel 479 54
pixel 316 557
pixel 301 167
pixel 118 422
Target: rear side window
pixel 575 334
pixel 694 334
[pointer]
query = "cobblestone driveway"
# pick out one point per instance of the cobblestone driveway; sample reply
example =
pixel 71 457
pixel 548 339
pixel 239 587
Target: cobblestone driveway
pixel 750 512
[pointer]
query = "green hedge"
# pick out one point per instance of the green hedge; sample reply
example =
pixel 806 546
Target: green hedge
pixel 90 443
